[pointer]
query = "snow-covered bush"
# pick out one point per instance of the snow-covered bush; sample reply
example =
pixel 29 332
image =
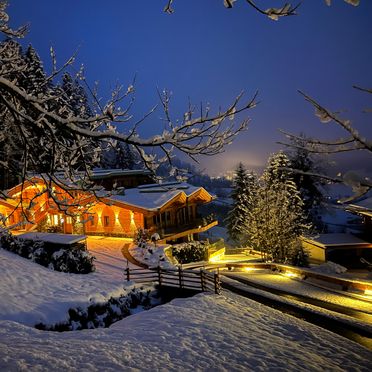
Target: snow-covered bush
pixel 72 261
pixel 190 252
pixel 141 238
pixel 100 315
pixel 77 261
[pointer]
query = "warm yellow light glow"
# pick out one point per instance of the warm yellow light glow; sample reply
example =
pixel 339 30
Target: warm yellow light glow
pixel 249 269
pixel 132 224
pixel 368 292
pixel 290 274
pixel 217 257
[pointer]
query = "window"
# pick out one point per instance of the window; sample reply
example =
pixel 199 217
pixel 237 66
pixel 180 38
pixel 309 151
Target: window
pixel 106 221
pixel 91 220
pixel 69 220
pixel 190 212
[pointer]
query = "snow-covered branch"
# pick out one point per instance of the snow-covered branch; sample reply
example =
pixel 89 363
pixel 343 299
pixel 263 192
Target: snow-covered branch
pixel 50 126
pixel 353 142
pixel 287 9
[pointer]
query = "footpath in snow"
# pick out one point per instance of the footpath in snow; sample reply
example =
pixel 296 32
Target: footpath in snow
pixel 304 288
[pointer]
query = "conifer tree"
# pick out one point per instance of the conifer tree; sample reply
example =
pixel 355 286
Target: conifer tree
pixel 243 196
pixel 277 218
pixel 118 156
pixel 310 187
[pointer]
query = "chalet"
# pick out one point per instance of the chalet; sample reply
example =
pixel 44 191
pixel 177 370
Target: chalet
pixel 170 209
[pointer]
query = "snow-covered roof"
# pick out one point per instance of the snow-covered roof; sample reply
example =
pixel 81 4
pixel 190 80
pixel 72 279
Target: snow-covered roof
pixel 106 173
pixel 363 207
pixel 65 239
pixel 155 196
pixel 363 204
pixel 337 239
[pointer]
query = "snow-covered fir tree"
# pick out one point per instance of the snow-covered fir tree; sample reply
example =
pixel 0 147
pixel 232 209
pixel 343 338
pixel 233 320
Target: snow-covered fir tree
pixel 243 195
pixel 119 156
pixel 310 187
pixel 277 218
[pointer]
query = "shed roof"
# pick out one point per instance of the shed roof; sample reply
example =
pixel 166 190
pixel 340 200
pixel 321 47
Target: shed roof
pixel 337 239
pixel 65 239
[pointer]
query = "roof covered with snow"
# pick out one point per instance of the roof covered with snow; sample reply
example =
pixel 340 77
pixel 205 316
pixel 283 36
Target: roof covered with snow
pixel 155 196
pixel 336 239
pixel 106 173
pixel 66 239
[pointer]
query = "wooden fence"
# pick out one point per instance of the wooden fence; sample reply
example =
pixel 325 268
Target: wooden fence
pixel 200 281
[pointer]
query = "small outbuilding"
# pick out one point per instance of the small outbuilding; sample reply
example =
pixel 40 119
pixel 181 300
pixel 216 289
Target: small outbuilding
pixel 344 249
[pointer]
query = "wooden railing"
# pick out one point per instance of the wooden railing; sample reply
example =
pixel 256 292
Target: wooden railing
pixel 200 281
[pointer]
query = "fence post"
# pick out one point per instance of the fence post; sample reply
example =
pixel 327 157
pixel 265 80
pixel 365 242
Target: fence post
pixel 217 283
pixel 180 277
pixel 128 276
pixel 159 275
pixel 202 280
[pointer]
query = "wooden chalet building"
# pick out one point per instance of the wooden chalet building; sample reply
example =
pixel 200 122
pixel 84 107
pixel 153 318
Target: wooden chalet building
pixel 170 209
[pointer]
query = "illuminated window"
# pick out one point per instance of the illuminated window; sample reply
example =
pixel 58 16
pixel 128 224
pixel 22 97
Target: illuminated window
pixel 106 221
pixel 55 219
pixel 68 220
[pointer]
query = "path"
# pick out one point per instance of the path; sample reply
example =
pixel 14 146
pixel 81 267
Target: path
pixel 130 258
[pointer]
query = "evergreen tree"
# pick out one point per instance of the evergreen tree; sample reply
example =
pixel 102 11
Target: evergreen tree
pixel 75 96
pixel 243 195
pixel 310 187
pixel 277 218
pixel 33 78
pixel 118 156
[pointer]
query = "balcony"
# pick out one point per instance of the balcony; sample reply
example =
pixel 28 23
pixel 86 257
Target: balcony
pixel 195 226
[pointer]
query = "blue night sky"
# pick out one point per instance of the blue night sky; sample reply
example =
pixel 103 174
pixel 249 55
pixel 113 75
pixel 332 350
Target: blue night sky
pixel 210 54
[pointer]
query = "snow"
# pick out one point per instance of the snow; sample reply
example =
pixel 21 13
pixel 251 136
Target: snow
pixel 152 197
pixel 304 288
pixel 329 268
pixel 153 256
pixel 337 239
pixel 207 332
pixel 30 293
pixel 66 239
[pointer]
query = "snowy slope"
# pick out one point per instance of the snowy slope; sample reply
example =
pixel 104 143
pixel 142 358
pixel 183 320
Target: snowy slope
pixel 30 293
pixel 207 332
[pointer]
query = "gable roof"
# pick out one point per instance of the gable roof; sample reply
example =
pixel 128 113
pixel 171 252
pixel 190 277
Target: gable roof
pixel 157 196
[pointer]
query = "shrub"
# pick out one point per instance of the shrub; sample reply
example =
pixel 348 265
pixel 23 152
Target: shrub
pixel 190 252
pixel 102 314
pixel 77 261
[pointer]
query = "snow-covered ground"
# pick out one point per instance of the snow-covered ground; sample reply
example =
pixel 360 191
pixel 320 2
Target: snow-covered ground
pixel 304 288
pixel 30 293
pixel 207 332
